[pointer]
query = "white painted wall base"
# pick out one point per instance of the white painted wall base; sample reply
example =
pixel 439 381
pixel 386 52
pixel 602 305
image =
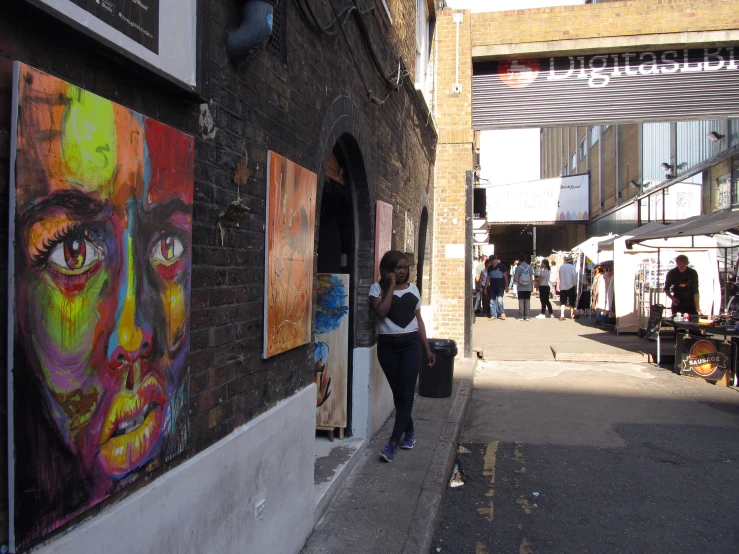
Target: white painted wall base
pixel 372 399
pixel 208 503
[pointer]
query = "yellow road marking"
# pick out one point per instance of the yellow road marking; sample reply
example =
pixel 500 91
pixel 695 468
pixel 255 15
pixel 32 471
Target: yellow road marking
pixel 524 503
pixel 489 511
pixel 525 547
pixel 480 548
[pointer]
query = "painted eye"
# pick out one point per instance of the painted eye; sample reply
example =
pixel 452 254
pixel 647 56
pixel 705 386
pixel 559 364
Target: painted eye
pixel 74 255
pixel 168 249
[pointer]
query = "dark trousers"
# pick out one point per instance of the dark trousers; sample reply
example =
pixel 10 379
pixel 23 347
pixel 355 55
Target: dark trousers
pixel 544 297
pixel 524 304
pixel 400 360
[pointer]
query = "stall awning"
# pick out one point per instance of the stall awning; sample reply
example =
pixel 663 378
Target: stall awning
pixel 633 235
pixel 709 224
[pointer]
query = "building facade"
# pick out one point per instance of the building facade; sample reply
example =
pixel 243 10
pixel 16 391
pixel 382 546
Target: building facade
pixel 188 172
pixel 661 171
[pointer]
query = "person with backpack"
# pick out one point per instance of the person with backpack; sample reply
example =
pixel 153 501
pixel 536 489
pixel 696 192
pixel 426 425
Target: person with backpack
pixel 524 278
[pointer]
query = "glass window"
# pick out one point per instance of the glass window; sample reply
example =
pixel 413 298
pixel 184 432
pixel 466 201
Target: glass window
pixel 422 45
pixel 593 136
pixel 655 151
pixel 565 171
pixel 583 149
pixel 733 132
pixel 693 144
pixel 735 181
pixel 573 163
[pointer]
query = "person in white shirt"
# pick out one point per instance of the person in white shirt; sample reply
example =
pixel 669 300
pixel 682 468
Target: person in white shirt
pixel 567 288
pixel 544 290
pixel 554 278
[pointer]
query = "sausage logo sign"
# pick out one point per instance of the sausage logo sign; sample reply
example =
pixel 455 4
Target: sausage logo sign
pixel 518 73
pixel 703 358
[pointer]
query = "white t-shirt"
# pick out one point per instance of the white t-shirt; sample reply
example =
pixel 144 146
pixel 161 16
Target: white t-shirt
pixel 402 310
pixel 544 278
pixel 567 277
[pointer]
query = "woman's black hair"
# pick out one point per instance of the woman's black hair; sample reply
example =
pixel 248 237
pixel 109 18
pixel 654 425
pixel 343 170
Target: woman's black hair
pixel 388 263
pixel 545 261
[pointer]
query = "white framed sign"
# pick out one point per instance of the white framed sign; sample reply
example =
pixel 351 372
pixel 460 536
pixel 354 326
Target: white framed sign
pixel 158 34
pixel 546 200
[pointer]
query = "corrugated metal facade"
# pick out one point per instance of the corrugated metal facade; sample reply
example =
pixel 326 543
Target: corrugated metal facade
pixel 614 88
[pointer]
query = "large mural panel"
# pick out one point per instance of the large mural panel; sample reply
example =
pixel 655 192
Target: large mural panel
pixel 101 220
pixel 288 268
pixel 331 349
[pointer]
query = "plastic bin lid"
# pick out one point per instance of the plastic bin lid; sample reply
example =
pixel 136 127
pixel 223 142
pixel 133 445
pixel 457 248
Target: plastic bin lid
pixel 443 345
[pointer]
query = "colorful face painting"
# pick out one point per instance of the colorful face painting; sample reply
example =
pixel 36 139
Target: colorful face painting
pixel 103 227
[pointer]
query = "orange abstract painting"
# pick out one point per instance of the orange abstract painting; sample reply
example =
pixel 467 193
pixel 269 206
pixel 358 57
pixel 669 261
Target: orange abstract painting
pixel 291 221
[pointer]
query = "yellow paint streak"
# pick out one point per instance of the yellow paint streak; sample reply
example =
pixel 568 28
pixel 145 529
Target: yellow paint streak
pixel 488 511
pixel 480 548
pixel 174 303
pixel 524 503
pixel 129 336
pixel 525 547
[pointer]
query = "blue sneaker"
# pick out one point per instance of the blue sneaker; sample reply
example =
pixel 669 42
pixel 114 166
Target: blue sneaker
pixel 388 453
pixel 408 441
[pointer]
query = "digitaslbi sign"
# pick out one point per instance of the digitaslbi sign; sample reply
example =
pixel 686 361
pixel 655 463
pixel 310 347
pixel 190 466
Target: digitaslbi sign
pixel 622 87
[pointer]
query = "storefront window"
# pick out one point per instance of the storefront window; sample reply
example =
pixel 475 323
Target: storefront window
pixel 655 150
pixel 735 181
pixel 719 193
pixel 733 132
pixel 693 146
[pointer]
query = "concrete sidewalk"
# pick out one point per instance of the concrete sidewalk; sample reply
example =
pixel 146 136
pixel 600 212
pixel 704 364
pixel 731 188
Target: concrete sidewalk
pixel 392 508
pixel 550 340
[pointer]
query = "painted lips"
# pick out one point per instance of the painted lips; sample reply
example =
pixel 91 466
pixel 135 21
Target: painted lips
pixel 131 427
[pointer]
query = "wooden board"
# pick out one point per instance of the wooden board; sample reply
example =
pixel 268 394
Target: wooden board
pixel 331 349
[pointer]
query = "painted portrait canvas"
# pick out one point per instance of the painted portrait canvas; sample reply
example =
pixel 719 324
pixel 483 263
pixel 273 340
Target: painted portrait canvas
pixel 288 267
pixel 331 349
pixel 101 223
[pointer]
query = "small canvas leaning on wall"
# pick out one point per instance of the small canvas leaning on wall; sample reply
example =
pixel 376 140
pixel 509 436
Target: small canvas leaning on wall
pixel 289 248
pixel 331 349
pixel 100 260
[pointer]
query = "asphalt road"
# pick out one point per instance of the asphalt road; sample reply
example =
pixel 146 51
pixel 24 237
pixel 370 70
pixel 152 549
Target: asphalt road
pixel 568 459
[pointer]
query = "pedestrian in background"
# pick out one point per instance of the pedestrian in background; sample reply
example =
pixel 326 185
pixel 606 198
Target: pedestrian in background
pixel 514 285
pixel 544 290
pixel 554 278
pixel 484 280
pixel 401 334
pixel 567 288
pixel 497 287
pixel 524 279
pixel 476 275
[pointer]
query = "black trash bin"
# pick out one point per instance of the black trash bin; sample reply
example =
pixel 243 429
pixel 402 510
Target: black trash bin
pixel 437 381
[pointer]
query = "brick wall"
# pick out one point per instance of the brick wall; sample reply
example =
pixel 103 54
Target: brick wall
pixel 596 21
pixel 453 159
pixel 299 110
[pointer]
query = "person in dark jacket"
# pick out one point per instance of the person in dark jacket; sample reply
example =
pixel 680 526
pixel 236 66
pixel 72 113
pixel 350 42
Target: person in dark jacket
pixel 681 286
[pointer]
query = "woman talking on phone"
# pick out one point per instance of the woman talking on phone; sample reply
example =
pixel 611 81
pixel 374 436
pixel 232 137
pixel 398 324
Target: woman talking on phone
pixel 401 334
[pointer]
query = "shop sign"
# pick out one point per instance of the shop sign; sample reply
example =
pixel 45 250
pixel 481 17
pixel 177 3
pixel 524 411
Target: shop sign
pixel 619 87
pixel 705 358
pixel 542 201
pixel 158 34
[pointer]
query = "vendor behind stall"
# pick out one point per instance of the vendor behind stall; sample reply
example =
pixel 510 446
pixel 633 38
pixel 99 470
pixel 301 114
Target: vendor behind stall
pixel 681 286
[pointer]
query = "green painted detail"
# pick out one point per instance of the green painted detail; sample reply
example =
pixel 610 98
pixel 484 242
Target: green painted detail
pixel 89 143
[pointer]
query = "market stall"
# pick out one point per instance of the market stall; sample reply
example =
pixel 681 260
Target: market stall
pixel 706 346
pixel 638 249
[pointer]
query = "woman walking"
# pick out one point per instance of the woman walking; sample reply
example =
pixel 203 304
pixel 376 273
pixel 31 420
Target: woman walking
pixel 401 334
pixel 544 289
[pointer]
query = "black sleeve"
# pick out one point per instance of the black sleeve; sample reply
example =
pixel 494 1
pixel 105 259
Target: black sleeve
pixel 695 282
pixel 668 281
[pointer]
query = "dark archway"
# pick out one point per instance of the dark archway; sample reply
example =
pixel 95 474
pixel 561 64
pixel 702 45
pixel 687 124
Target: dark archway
pixel 342 137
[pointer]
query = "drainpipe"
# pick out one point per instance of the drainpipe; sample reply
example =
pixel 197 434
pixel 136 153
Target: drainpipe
pixel 254 31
